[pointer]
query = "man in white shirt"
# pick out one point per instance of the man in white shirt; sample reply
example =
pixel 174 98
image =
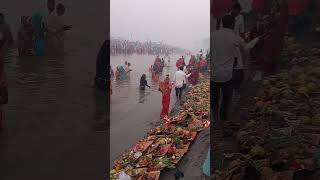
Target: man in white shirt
pixel 179 79
pixel 225 46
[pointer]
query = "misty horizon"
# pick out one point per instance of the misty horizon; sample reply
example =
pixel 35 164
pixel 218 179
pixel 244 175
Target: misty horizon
pixel 186 22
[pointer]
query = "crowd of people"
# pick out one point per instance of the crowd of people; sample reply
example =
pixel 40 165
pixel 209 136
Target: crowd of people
pixel 37 33
pixel 237 46
pixel 184 76
pixel 127 47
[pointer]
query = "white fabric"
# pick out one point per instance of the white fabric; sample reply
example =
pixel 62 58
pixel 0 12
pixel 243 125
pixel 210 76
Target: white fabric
pixel 179 78
pixel 226 45
pixel 239 24
pixel 246 5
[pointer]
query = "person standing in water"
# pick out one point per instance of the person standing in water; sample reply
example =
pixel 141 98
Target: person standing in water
pixel 143 82
pixel 38 29
pixel 25 37
pixel 51 4
pixel 165 88
pixel 57 27
pixel 128 70
pixel 122 72
pixel 3 82
pixel 5 30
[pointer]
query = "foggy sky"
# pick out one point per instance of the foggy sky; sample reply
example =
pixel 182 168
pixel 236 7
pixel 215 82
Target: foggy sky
pixel 176 22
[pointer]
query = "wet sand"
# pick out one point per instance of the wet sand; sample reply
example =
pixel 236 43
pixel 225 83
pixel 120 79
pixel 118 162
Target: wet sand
pixel 52 108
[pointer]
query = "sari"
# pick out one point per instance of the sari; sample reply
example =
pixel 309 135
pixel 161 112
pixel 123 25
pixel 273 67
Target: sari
pixel 38 29
pixel 193 78
pixel 179 63
pixel 122 72
pixel 165 88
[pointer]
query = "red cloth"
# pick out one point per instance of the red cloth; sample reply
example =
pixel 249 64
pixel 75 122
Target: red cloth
pixel 179 63
pixel 294 7
pixel 221 7
pixel 166 99
pixel 191 61
pixel 259 6
pixel 193 78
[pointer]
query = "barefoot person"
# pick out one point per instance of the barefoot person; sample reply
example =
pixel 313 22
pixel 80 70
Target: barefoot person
pixel 165 88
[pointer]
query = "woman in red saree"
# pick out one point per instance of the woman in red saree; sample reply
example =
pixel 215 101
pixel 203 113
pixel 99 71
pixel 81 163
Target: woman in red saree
pixel 179 63
pixel 165 88
pixel 193 79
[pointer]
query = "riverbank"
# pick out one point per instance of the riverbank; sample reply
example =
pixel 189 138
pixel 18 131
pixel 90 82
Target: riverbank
pixel 256 144
pixel 186 114
pixel 191 163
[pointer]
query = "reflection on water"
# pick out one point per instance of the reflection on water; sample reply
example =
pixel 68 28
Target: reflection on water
pixel 133 110
pixel 52 108
pixel 143 96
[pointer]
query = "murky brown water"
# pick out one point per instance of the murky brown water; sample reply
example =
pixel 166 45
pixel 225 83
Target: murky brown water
pixel 132 111
pixel 52 109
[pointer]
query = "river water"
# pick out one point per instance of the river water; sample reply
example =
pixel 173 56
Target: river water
pixel 132 111
pixel 52 109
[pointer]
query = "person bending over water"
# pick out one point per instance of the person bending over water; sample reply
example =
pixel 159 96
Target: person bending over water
pixel 143 82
